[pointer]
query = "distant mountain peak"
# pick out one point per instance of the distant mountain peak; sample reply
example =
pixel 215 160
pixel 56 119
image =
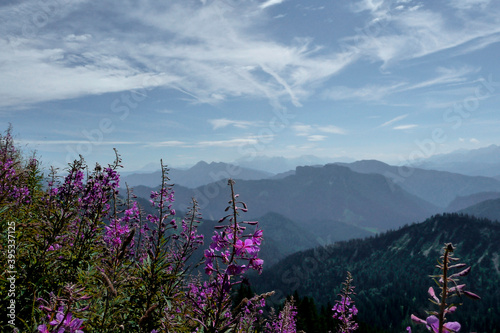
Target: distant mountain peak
pixel 200 163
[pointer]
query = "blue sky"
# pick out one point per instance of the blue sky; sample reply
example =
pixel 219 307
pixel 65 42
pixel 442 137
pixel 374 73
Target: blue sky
pixel 225 80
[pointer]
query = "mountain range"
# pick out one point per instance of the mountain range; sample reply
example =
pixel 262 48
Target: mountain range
pixel 437 187
pixel 476 162
pixel 312 196
pixel 368 194
pixel 279 164
pixel 200 174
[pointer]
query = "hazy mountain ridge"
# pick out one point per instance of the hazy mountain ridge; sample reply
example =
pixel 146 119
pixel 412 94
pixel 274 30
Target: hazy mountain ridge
pixel 200 174
pixel 396 265
pixel 328 193
pixel 462 202
pixel 489 209
pixel 279 164
pixel 483 161
pixel 437 187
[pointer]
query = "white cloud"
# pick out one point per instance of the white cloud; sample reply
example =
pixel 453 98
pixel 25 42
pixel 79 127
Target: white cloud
pixel 417 31
pixel 77 38
pixel 210 51
pixel 269 3
pixel 331 129
pixel 302 130
pixel 393 120
pixel 73 142
pixel 468 4
pixel 367 93
pixel 214 51
pixel 316 132
pixel 171 143
pixel 316 137
pixel 236 142
pixel 474 141
pixel 223 122
pixel 31 75
pixel 445 77
pixel 405 127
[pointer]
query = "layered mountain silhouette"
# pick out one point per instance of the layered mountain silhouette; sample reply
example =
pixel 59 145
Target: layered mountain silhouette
pixel 330 193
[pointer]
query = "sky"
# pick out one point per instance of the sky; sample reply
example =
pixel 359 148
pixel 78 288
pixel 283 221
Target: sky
pixel 232 80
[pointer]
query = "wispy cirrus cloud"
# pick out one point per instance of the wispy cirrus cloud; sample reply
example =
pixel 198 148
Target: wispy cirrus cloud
pixel 235 142
pixel 405 127
pixel 223 122
pixel 317 132
pixel 393 120
pixel 445 78
pixel 316 137
pixel 468 4
pixel 269 3
pixel 403 31
pixel 73 142
pixel 209 51
pixel 170 143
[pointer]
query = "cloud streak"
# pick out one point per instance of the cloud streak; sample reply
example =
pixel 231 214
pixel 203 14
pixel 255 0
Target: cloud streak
pixel 393 120
pixel 317 132
pixel 270 3
pixel 223 122
pixel 405 127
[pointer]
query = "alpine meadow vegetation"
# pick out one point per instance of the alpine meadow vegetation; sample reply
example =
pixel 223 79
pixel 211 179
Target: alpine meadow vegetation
pixel 80 255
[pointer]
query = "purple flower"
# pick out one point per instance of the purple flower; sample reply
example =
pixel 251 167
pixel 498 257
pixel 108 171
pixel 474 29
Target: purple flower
pixel 43 329
pixel 247 246
pixel 433 323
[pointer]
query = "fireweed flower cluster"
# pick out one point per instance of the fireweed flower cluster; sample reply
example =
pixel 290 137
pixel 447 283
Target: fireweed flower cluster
pixel 233 251
pixel 344 309
pixel 450 290
pixel 60 311
pixel 285 323
pixel 250 312
pixel 12 188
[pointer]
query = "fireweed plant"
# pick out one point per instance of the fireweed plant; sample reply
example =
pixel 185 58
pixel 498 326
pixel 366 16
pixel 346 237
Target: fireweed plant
pixel 450 295
pixel 60 311
pixel 285 321
pixel 90 260
pixel 233 251
pixel 344 309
